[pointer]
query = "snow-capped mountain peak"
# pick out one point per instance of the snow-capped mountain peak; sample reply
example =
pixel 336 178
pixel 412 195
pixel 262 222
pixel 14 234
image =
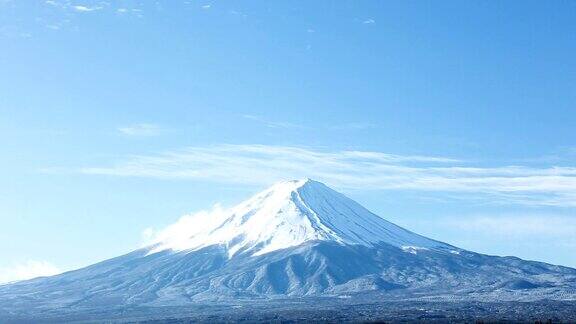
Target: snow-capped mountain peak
pixel 288 214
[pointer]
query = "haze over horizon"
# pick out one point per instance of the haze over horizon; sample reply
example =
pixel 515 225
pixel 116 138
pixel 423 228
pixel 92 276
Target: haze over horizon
pixel 454 120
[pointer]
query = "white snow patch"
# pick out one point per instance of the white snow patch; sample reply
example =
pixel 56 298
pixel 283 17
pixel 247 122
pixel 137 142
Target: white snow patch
pixel 413 249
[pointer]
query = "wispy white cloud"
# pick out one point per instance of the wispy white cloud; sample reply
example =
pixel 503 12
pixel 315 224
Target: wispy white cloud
pixel 370 170
pixel 85 8
pixel 369 21
pixel 271 124
pixel 237 13
pixel 283 124
pixel 141 129
pixel 132 11
pixel 13 32
pixel 528 235
pixel 560 155
pixel 27 270
pixel 177 235
pixel 514 226
pixel 148 236
pixel 352 126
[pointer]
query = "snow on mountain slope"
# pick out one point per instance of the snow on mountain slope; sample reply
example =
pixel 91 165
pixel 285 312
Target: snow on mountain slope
pixel 285 215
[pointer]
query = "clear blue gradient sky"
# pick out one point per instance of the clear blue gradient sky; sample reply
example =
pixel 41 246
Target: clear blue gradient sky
pixel 455 119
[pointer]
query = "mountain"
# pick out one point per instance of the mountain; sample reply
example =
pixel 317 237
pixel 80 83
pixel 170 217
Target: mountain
pixel 296 239
pixel 289 214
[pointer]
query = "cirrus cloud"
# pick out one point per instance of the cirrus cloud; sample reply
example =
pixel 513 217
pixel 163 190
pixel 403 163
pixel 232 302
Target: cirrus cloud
pixel 85 8
pixel 350 169
pixel 141 130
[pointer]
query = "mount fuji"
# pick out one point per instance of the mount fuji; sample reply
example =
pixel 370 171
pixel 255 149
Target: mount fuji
pixel 296 240
pixel 289 214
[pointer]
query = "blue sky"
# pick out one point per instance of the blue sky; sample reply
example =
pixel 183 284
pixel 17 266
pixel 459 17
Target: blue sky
pixel 454 119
